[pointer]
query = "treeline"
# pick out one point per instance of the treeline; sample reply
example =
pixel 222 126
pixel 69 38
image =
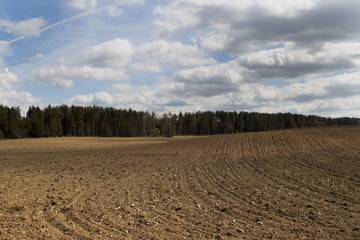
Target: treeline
pixel 58 121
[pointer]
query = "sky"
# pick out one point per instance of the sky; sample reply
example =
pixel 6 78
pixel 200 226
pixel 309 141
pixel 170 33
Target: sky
pixel 298 56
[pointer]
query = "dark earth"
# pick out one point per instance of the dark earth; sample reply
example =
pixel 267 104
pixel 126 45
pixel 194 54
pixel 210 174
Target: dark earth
pixel 288 184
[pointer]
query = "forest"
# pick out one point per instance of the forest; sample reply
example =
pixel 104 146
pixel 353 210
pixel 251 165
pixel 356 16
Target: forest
pixel 59 121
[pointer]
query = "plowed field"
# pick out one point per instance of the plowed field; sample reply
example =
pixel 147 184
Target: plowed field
pixel 292 184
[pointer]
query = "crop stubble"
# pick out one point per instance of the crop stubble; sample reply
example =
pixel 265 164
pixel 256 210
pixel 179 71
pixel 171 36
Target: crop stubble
pixel 291 184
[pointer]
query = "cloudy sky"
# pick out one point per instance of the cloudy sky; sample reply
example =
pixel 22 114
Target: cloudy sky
pixel 299 56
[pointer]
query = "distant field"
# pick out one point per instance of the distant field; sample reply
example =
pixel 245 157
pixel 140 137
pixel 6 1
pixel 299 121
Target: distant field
pixel 289 184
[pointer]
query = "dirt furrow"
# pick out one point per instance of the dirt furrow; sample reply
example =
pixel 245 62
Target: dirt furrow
pixel 291 184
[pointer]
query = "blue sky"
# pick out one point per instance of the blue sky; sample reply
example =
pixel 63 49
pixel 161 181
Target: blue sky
pixel 299 56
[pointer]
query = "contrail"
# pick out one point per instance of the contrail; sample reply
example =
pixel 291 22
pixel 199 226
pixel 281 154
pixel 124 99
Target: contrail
pixel 16 39
pixel 80 15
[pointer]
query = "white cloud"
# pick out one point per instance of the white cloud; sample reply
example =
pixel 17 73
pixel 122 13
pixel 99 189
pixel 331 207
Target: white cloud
pixel 114 11
pixel 339 86
pixel 284 63
pixel 184 14
pixel 284 7
pixel 115 53
pixel 7 78
pixel 205 88
pixel 143 98
pixel 21 99
pixel 26 28
pixel 64 76
pixel 175 53
pixel 126 2
pixel 110 60
pixel 83 4
pixel 327 96
pixel 323 96
pixel 113 7
pixel 210 80
pixel 216 41
pixel 136 96
pixel 37 57
pixel 56 77
pixel 291 61
pixel 290 54
pixel 242 26
pixel 334 107
pixel 4 48
pixel 103 62
pixel 99 98
pixel 149 66
pixel 125 95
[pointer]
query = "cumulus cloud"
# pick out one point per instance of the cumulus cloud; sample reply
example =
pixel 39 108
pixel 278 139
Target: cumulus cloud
pixel 26 28
pixel 141 97
pixel 123 95
pixel 115 53
pixel 238 27
pixel 334 107
pixel 339 86
pixel 323 96
pixel 103 62
pixel 109 61
pixel 63 76
pixel 151 66
pixel 175 53
pixel 114 11
pixel 182 14
pixel 137 97
pixel 126 2
pixel 113 7
pixel 291 62
pixel 83 4
pixel 7 78
pixel 206 88
pixel 4 48
pixel 37 57
pixel 288 62
pixel 21 99
pixel 209 80
pixel 99 98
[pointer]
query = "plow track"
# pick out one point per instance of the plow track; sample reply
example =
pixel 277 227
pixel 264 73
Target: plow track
pixel 291 184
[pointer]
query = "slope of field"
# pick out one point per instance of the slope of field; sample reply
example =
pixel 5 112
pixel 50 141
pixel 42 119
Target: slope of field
pixel 292 184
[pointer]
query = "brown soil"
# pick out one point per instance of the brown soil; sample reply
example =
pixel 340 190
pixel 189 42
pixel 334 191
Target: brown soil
pixel 293 184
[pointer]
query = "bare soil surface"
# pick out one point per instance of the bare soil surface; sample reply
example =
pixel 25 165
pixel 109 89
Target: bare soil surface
pixel 292 184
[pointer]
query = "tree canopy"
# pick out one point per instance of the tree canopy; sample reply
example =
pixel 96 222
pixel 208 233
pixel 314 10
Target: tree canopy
pixel 58 121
